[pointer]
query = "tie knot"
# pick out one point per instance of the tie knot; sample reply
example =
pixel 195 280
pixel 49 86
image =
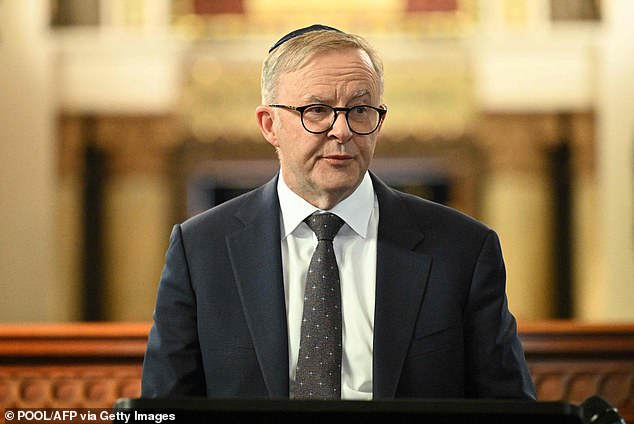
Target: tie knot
pixel 324 225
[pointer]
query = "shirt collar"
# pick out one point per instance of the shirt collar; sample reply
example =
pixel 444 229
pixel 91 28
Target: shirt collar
pixel 355 209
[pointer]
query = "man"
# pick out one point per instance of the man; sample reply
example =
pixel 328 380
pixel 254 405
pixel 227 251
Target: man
pixel 412 303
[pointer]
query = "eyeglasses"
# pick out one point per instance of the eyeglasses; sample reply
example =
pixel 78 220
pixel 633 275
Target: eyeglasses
pixel 319 118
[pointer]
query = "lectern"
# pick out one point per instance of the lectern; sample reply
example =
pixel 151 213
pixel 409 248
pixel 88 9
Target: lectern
pixel 201 410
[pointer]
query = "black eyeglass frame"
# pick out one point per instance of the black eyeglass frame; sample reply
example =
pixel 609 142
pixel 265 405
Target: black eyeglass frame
pixel 381 111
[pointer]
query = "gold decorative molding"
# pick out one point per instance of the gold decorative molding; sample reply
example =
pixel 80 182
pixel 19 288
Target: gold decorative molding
pixel 132 143
pixel 444 18
pixel 521 142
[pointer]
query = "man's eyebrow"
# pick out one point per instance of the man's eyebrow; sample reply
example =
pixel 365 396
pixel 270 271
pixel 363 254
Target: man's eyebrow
pixel 356 95
pixel 314 99
pixel 361 93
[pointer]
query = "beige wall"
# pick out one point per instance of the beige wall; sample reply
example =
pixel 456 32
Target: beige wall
pixel 27 158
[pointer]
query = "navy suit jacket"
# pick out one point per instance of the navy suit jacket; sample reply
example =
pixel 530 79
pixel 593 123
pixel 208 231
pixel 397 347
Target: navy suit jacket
pixel 442 326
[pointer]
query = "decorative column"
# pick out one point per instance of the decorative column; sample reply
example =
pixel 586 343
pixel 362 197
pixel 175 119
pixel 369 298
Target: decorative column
pixel 612 296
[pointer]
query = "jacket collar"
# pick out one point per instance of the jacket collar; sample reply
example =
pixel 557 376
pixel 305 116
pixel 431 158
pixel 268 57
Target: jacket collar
pixel 402 273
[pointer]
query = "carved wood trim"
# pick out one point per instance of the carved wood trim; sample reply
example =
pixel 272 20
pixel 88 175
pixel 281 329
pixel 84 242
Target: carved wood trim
pixel 572 340
pixel 91 365
pixel 44 342
pixel 572 361
pixel 68 386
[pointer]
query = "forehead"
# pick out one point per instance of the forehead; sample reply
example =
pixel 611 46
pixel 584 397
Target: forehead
pixel 331 76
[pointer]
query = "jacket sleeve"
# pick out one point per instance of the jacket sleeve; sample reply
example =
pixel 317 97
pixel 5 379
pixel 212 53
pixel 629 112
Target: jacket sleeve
pixel 495 367
pixel 173 366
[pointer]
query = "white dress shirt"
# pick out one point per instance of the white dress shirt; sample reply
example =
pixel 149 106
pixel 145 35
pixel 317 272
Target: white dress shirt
pixel 355 250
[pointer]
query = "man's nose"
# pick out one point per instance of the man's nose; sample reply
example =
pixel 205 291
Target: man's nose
pixel 340 129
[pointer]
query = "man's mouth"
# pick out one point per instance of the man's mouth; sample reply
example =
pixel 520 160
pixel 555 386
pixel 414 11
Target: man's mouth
pixel 338 157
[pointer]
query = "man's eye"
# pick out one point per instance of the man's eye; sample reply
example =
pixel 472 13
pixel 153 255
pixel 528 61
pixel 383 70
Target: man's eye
pixel 360 110
pixel 317 110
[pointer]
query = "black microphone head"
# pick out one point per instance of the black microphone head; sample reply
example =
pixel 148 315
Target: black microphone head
pixel 597 410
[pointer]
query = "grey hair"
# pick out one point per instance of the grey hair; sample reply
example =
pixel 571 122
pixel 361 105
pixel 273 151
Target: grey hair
pixel 292 54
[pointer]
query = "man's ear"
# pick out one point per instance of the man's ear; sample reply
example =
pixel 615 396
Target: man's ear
pixel 266 122
pixel 384 106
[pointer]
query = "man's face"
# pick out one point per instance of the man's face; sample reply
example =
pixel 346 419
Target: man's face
pixel 323 168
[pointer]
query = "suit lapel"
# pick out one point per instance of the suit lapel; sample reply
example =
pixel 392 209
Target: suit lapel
pixel 401 280
pixel 402 273
pixel 256 261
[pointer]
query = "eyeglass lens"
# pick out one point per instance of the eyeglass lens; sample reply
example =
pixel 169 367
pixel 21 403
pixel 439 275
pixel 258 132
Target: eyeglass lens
pixel 320 118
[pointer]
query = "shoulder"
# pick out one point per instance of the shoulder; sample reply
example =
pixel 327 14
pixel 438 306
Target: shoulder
pixel 235 213
pixel 432 218
pixel 423 210
pixel 438 214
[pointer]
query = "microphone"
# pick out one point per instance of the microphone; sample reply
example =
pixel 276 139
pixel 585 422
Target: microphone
pixel 597 410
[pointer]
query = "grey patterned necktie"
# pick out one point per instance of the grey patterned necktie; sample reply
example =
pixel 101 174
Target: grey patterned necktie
pixel 319 363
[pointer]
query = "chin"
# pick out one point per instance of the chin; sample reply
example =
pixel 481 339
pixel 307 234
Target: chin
pixel 347 185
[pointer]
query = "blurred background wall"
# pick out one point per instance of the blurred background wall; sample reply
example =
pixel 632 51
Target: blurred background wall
pixel 119 118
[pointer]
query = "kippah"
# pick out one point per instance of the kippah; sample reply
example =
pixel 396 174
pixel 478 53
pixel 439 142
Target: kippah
pixel 301 31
